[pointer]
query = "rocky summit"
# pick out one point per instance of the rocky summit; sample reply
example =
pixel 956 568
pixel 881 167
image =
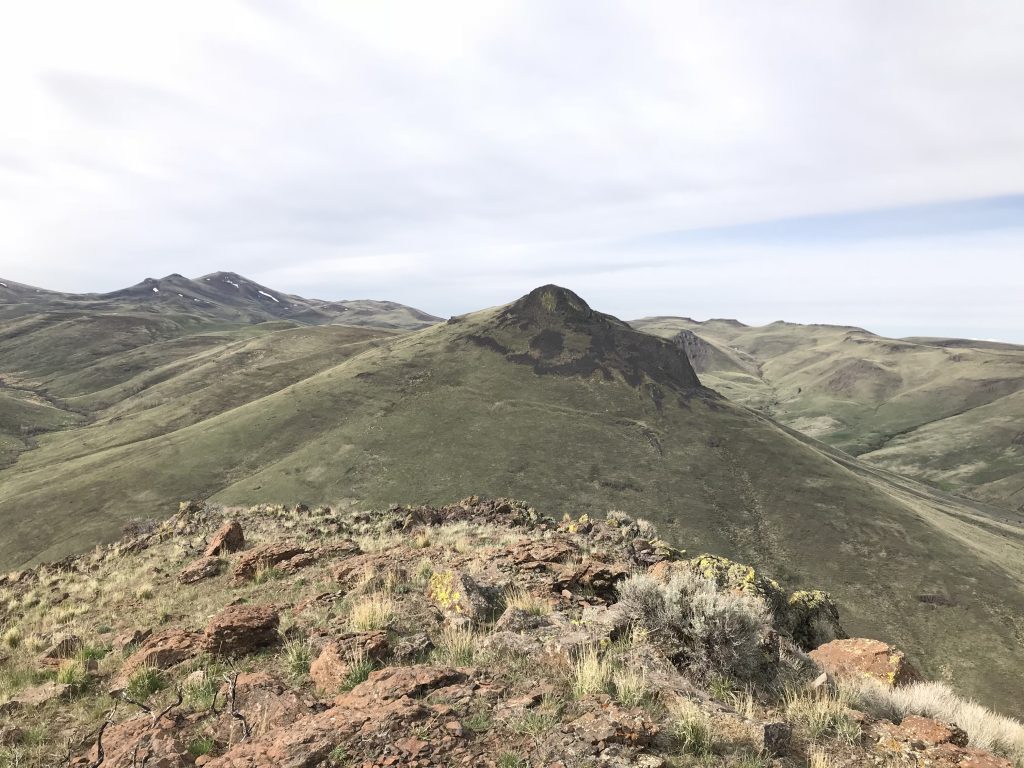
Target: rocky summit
pixel 482 633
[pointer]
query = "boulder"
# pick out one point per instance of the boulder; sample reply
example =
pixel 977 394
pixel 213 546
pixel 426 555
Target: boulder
pixel 228 538
pixel 331 668
pixel 162 746
pixel 813 619
pixel 160 651
pixel 242 629
pixel 37 696
pixel 61 647
pixel 931 733
pixel 203 568
pixel 264 700
pixel 458 596
pixel 264 557
pixel 861 656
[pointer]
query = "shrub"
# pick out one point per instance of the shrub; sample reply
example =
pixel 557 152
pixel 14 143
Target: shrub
pixel 712 633
pixel 375 611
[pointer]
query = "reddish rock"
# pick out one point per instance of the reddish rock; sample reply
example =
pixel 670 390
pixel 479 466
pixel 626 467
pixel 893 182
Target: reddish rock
pixel 159 744
pixel 264 700
pixel 264 557
pixel 242 629
pixel 228 538
pixel 61 648
pixel 37 696
pixel 160 651
pixel 203 568
pixel 860 656
pixel 930 732
pixel 332 667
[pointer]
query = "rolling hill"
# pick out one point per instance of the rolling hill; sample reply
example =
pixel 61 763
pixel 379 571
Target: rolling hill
pixel 945 411
pixel 63 356
pixel 544 399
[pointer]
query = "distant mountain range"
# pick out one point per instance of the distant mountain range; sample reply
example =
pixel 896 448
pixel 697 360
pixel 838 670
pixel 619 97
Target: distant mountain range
pixel 146 403
pixel 221 296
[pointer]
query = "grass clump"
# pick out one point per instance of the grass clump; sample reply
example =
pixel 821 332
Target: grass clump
pixel 144 683
pixel 822 715
pixel 591 673
pixel 457 645
pixel 690 730
pixel 630 686
pixel 204 745
pixel 519 599
pixel 375 611
pixel 298 655
pixel 74 674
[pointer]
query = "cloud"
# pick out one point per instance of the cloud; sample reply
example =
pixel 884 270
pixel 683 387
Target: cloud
pixel 449 153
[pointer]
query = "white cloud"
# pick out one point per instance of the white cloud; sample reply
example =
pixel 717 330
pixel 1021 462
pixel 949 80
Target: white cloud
pixel 376 148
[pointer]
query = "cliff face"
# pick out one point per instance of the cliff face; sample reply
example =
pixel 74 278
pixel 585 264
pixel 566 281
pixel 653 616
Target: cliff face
pixel 478 633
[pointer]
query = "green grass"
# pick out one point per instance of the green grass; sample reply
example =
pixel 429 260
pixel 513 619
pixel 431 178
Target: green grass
pixel 328 413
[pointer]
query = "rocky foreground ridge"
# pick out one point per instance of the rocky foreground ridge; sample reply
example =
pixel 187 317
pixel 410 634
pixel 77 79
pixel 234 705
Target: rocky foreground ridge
pixel 477 634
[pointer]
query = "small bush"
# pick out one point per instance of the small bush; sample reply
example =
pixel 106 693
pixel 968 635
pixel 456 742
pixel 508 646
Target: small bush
pixel 375 611
pixel 590 674
pixel 145 592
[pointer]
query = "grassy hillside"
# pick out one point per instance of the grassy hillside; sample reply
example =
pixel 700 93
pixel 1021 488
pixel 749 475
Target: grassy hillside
pixel 947 411
pixel 547 400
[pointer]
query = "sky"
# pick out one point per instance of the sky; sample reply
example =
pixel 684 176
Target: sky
pixel 852 162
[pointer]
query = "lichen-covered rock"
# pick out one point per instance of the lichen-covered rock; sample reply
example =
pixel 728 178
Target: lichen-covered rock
pixel 861 656
pixel 813 619
pixel 242 629
pixel 458 596
pixel 228 538
pixel 740 578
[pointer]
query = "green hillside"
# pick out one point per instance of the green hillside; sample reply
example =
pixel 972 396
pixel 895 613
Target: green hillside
pixel 946 411
pixel 548 400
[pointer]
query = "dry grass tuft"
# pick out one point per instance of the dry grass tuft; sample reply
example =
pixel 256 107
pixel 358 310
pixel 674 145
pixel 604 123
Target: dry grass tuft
pixel 374 611
pixel 520 599
pixel 590 674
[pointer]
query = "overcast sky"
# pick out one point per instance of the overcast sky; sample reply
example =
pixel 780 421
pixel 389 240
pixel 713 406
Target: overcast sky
pixel 850 162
